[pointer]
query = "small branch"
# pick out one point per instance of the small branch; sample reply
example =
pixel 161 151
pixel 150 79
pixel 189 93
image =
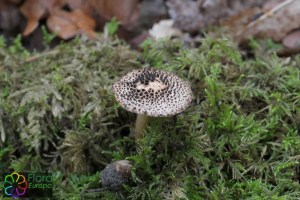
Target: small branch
pixel 265 16
pixel 98 190
pixel 33 58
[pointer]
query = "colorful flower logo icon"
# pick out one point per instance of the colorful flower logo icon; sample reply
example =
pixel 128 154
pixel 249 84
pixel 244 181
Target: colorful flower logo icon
pixel 15 185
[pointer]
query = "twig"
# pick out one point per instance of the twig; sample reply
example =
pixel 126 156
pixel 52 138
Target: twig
pixel 265 16
pixel 294 158
pixel 98 190
pixel 32 58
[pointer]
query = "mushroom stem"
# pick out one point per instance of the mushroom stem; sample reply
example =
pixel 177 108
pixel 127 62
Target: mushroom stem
pixel 140 125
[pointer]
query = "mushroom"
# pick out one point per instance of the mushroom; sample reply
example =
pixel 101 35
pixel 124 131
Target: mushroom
pixel 154 93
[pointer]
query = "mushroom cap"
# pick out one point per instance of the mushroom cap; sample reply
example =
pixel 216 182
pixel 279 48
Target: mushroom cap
pixel 153 92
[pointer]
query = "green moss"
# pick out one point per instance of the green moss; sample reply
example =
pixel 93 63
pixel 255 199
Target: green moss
pixel 238 140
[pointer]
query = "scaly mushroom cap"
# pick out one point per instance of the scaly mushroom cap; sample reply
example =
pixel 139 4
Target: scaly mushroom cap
pixel 153 93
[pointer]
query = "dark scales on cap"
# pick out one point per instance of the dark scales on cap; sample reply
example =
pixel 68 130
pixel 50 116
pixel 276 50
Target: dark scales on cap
pixel 153 93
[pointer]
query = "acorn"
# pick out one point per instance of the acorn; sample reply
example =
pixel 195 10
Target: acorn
pixel 116 174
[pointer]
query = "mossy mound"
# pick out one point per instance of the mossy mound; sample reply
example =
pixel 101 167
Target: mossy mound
pixel 238 140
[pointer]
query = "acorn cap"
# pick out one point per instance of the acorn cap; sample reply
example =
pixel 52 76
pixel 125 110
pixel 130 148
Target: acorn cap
pixel 116 174
pixel 152 92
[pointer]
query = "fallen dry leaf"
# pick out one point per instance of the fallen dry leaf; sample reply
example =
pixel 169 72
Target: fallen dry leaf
pixel 213 10
pixel 31 25
pixel 135 42
pixel 80 13
pixel 76 4
pixel 164 28
pixel 292 40
pixel 193 16
pixel 275 24
pixel 63 27
pixel 151 12
pixel 33 10
pixel 9 16
pixel 269 5
pixel 237 6
pixel 84 22
pixel 186 14
pixel 237 22
pixel 14 2
pixel 69 24
pixel 127 12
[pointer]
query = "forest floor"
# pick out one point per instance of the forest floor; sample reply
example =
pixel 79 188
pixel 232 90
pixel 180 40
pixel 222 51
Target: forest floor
pixel 239 138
